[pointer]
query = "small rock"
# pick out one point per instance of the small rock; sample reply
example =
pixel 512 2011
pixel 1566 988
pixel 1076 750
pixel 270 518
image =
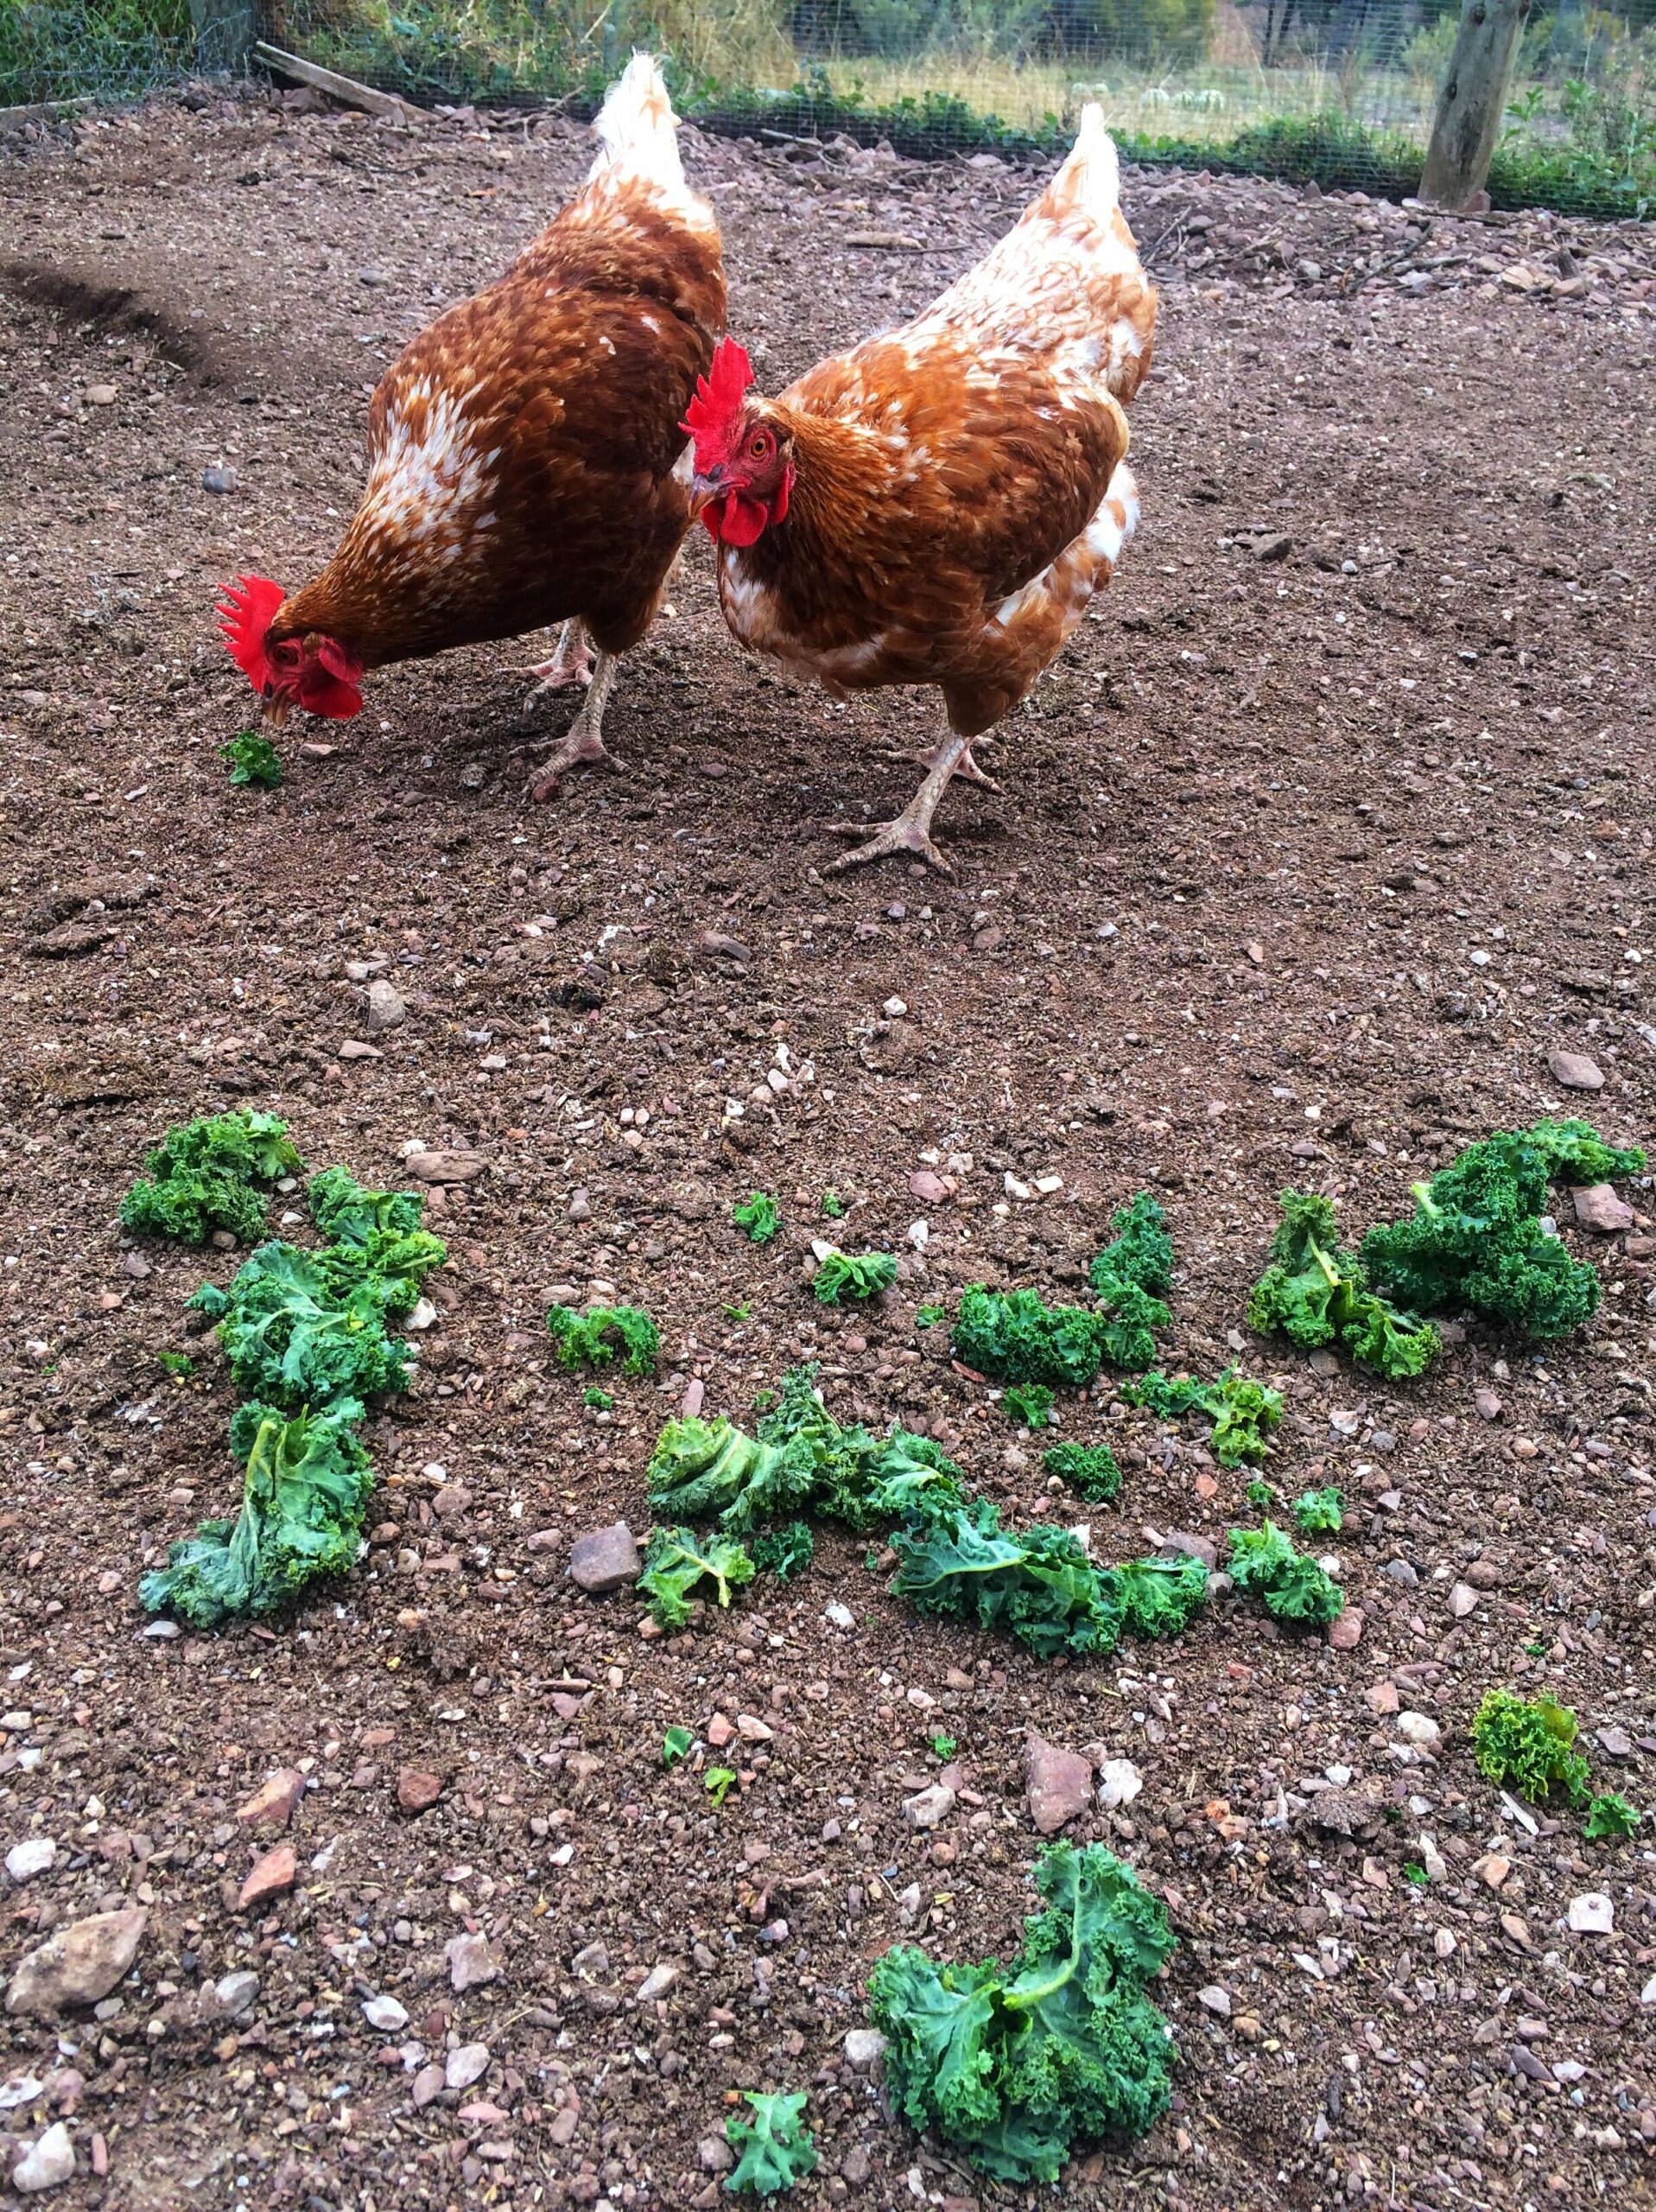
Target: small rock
pixel 217 477
pixel 35 1854
pixel 386 1005
pixel 417 1791
pixel 1215 1999
pixel 236 1992
pixel 657 1982
pixel 863 2047
pixel 838 1616
pixel 1059 1783
pixel 928 1807
pixel 1382 1697
pixel 1616 1741
pixel 1119 1783
pixel 857 2167
pixel 1400 1571
pixel 467 2064
pixel 49 2162
pixel 1462 1599
pixel 352 1048
pixel 1420 1730
pixel 271 1805
pixel 580 1206
pixel 79 1964
pixel 1576 1071
pixel 931 1190
pixel 715 2155
pixel 1493 1869
pixel 604 1560
pixel 445 1166
pixel 472 1964
pixel 269 1877
pixel 426 2084
pixel 1591 1914
pixel 1598 1208
pixel 1346 1629
pixel 385 2014
pixel 1489 1405
pixel 1309 272
pixel 1181 1543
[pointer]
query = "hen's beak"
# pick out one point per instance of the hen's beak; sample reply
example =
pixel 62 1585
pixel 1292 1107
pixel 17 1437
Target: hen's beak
pixel 704 490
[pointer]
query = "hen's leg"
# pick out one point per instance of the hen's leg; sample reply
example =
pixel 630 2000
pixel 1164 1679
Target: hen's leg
pixel 911 831
pixel 585 739
pixel 968 770
pixel 571 662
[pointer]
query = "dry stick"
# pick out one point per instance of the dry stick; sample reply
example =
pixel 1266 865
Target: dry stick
pixel 344 89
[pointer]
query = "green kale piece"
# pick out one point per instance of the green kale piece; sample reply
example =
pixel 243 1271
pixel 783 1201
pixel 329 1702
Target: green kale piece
pixel 292 1338
pixel 1036 1583
pixel 1318 1293
pixel 1014 1335
pixel 928 1317
pixel 1243 1412
pixel 785 1552
pixel 603 1332
pixel 1142 1253
pixel 307 1485
pixel 1575 1153
pixel 677 1743
pixel 1017 2067
pixel 858 1276
pixel 1264 1563
pixel 677 1562
pixel 1525 1744
pixel 1160 1596
pixel 1609 1818
pixel 253 760
pixel 1127 1320
pixel 1318 1511
pixel 716 1781
pixel 205 1175
pixel 777 2151
pixel 345 1213
pixel 834 1205
pixel 1090 1469
pixel 701 1470
pixel 395 1261
pixel 756 1217
pixel 909 1478
pixel 1028 1405
pixel 178 1364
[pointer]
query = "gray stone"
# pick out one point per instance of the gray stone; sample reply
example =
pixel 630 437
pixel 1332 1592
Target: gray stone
pixel 1598 1208
pixel 236 1993
pixel 715 2155
pixel 1059 1782
pixel 467 2064
pixel 1182 1544
pixel 927 1807
pixel 217 477
pixel 471 1965
pixel 49 2162
pixel 426 2084
pixel 604 1560
pixel 386 1005
pixel 79 1964
pixel 656 1983
pixel 1213 1999
pixel 35 1854
pixel 863 2047
pixel 385 2014
pixel 1576 1071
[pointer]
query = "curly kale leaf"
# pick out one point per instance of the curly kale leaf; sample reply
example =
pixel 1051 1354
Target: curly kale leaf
pixel 1142 1253
pixel 1610 1818
pixel 1160 1597
pixel 1526 1745
pixel 1540 1288
pixel 678 1563
pixel 857 1276
pixel 253 760
pixel 777 2151
pixel 1318 1512
pixel 1264 1563
pixel 205 1175
pixel 1015 2068
pixel 345 1213
pixel 290 1338
pixel 1316 1293
pixel 757 1217
pixel 785 1552
pixel 1575 1152
pixel 1090 1469
pixel 1028 1405
pixel 702 1470
pixel 1243 1412
pixel 307 1485
pixel 1127 1321
pixel 1014 1335
pixel 604 1333
pixel 1039 1584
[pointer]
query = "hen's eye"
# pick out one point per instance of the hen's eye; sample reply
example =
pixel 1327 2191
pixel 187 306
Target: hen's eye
pixel 760 447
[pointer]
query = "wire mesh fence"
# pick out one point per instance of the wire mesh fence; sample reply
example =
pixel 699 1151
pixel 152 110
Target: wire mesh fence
pixel 1340 93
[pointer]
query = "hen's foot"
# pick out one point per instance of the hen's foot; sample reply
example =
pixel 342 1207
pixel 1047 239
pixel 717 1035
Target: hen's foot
pixel 967 768
pixel 909 833
pixel 579 747
pixel 571 664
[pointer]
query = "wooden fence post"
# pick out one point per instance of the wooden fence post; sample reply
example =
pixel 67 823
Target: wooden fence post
pixel 225 33
pixel 1474 97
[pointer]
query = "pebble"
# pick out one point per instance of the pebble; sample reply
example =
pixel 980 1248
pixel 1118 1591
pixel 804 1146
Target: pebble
pixel 580 1206
pixel 1616 1741
pixel 1420 1730
pixel 657 1982
pixel 928 1807
pixel 217 477
pixel 471 1965
pixel 604 1560
pixel 1346 1629
pixel 1591 1914
pixel 1576 1071
pixel 49 2162
pixel 271 1804
pixel 863 2047
pixel 1490 1406
pixel 445 1166
pixel 1180 1542
pixel 1059 1783
pixel 79 1964
pixel 1493 1869
pixel 838 1616
pixel 1400 1571
pixel 714 2155
pixel 269 1877
pixel 1382 1697
pixel 386 1005
pixel 417 1791
pixel 467 2064
pixel 1119 1783
pixel 35 1854
pixel 426 2084
pixel 236 1992
pixel 385 2014
pixel 1462 1599
pixel 931 1190
pixel 1598 1208
pixel 1215 1999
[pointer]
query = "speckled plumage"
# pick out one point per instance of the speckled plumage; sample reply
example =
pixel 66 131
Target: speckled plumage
pixel 958 488
pixel 523 452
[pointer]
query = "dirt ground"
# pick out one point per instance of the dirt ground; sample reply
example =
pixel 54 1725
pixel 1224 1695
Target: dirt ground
pixel 1329 829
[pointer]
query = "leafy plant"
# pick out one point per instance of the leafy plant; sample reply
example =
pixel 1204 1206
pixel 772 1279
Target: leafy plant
pixel 178 1364
pixel 604 1333
pixel 1141 1253
pixel 677 1563
pixel 289 1337
pixel 1316 1293
pixel 1160 1597
pixel 857 1276
pixel 1260 1492
pixel 601 1401
pixel 1318 1512
pixel 756 1217
pixel 777 2151
pixel 944 1747
pixel 205 1175
pixel 1243 1412
pixel 785 1552
pixel 1038 1583
pixel 253 760
pixel 345 1213
pixel 1525 1744
pixel 834 1205
pixel 1013 2067
pixel 1413 1871
pixel 677 1743
pixel 1014 1335
pixel 1028 1405
pixel 1292 1588
pixel 716 1781
pixel 1609 1818
pixel 1090 1469
pixel 928 1317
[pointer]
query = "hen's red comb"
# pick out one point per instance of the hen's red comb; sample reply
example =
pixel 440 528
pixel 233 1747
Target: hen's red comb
pixel 712 417
pixel 246 613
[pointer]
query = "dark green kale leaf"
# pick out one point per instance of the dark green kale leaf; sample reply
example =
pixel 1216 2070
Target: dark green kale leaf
pixel 604 1333
pixel 777 2151
pixel 1090 1469
pixel 1160 1597
pixel 678 1563
pixel 205 1175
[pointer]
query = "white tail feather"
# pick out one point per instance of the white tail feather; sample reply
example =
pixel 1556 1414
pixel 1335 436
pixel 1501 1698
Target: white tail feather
pixel 636 128
pixel 1091 178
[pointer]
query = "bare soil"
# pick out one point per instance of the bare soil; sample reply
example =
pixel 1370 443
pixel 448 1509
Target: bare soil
pixel 1332 825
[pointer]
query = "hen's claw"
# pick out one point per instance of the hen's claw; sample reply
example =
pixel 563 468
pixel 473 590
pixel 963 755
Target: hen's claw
pixel 580 746
pixel 571 665
pixel 909 833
